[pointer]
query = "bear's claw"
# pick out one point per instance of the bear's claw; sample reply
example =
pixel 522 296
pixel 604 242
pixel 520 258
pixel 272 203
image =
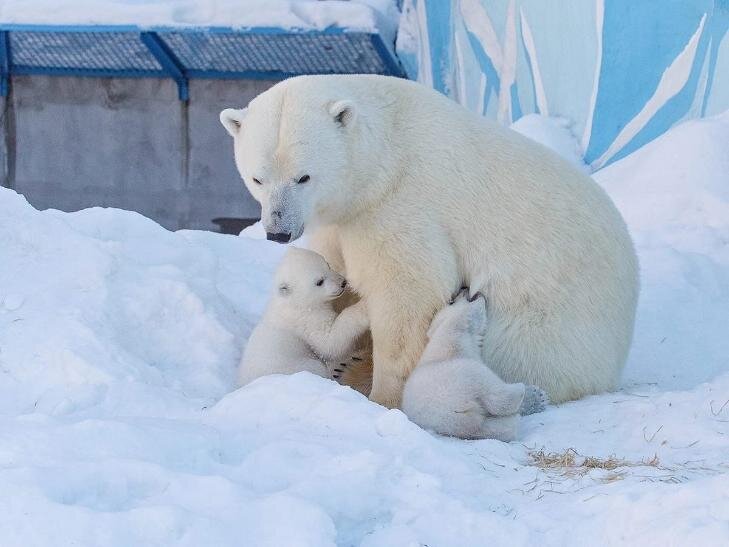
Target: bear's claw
pixel 458 293
pixel 466 291
pixel 476 296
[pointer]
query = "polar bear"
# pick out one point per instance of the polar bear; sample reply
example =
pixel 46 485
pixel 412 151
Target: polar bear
pixel 453 392
pixel 411 196
pixel 300 329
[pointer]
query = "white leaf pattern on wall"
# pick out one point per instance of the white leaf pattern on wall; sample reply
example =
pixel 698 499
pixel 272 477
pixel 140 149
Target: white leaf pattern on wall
pixel 479 24
pixel 528 39
pixel 594 63
pixel 425 65
pixel 599 20
pixel 502 56
pixel 671 83
pixel 507 72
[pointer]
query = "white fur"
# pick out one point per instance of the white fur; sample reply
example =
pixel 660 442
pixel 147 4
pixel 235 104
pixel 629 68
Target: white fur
pixel 411 196
pixel 300 329
pixel 452 391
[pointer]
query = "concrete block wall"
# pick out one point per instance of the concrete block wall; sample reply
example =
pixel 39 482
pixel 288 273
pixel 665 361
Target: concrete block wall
pixel 70 143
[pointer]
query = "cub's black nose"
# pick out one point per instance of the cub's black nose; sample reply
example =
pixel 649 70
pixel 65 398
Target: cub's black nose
pixel 280 237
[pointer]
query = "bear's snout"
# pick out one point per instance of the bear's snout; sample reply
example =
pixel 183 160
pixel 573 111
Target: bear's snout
pixel 279 237
pixel 344 283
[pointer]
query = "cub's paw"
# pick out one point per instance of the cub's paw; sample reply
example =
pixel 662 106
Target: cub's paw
pixel 535 400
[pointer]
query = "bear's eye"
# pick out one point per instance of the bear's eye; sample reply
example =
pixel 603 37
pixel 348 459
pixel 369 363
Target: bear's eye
pixel 256 180
pixel 320 283
pixel 304 179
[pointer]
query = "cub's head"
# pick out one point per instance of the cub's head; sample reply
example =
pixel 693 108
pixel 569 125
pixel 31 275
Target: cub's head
pixel 304 280
pixel 460 325
pixel 292 149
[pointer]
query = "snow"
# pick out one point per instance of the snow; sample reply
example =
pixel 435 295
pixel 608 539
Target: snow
pixel 554 133
pixel 674 194
pixel 120 424
pixel 362 15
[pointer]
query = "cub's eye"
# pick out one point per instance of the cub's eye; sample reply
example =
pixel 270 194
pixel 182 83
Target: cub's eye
pixel 256 180
pixel 304 179
pixel 320 283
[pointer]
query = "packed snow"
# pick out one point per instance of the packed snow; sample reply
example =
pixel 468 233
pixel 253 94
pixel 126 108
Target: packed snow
pixel 555 133
pixel 120 423
pixel 362 15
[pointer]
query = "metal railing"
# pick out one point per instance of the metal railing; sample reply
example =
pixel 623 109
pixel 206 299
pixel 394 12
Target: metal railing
pixel 185 53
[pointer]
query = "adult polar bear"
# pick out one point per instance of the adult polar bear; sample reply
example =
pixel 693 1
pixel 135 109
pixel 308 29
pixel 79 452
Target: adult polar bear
pixel 411 196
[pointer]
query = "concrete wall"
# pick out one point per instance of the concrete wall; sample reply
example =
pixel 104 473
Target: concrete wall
pixel 71 143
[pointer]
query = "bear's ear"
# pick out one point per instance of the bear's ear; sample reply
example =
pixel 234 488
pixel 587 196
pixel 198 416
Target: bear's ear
pixel 232 119
pixel 343 112
pixel 284 289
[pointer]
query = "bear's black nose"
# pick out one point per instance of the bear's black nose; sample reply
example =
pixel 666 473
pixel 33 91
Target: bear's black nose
pixel 344 283
pixel 280 237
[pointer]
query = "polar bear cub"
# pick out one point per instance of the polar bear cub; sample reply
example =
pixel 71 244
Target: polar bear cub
pixel 300 331
pixel 453 392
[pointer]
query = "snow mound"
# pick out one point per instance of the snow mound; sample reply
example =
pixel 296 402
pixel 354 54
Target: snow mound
pixel 554 133
pixel 674 195
pixel 106 308
pixel 362 15
pixel 254 231
pixel 120 424
pixel 675 190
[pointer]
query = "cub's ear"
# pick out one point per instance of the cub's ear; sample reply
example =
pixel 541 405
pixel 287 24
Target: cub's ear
pixel 343 112
pixel 284 289
pixel 232 119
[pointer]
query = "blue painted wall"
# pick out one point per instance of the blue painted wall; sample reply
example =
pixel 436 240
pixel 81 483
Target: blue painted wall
pixel 622 72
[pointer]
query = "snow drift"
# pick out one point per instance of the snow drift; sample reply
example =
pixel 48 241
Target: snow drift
pixel 120 425
pixel 362 15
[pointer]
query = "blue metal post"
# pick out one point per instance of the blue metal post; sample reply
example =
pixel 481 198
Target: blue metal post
pixel 4 63
pixel 392 66
pixel 170 63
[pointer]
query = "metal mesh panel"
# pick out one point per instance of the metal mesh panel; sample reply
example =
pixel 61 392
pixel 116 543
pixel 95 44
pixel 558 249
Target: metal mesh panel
pixel 112 51
pixel 287 53
pixel 207 53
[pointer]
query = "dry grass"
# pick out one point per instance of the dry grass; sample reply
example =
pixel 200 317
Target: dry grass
pixel 571 463
pixel 568 472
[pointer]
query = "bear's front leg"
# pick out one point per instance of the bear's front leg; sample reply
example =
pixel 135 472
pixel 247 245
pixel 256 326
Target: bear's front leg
pixel 399 326
pixel 339 340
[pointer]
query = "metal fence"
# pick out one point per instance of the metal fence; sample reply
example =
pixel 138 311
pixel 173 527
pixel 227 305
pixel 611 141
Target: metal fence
pixel 184 53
